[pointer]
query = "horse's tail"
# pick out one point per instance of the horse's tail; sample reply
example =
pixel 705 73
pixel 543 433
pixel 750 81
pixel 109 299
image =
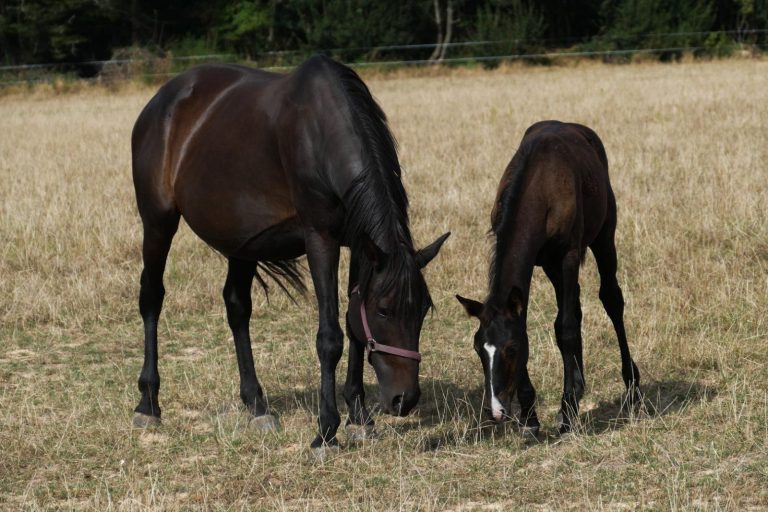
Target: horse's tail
pixel 286 273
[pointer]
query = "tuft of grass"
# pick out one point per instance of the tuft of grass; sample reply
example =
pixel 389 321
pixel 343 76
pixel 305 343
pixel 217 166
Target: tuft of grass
pixel 687 150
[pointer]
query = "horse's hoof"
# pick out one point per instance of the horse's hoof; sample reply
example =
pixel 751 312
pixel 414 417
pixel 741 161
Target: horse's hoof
pixel 264 423
pixel 360 433
pixel 325 452
pixel 141 420
pixel 529 433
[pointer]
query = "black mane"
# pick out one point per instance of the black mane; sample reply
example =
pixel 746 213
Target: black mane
pixel 376 202
pixel 507 209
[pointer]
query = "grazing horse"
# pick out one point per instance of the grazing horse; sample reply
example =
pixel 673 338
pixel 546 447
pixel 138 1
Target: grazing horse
pixel 554 201
pixel 267 167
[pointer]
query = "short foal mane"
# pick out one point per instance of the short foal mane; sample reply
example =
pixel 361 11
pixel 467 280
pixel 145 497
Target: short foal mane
pixel 505 211
pixel 376 202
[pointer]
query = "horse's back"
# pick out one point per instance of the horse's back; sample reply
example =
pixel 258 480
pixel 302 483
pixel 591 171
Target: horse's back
pixel 205 146
pixel 568 165
pixel 165 123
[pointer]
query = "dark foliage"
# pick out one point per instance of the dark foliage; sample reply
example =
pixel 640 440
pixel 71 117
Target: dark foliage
pixel 286 31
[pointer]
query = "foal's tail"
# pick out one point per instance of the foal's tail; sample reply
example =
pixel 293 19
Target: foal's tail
pixel 286 273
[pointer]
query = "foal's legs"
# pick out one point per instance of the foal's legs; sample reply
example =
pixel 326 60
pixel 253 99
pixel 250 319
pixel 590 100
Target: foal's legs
pixel 237 298
pixel 570 339
pixel 158 235
pixel 526 394
pixel 570 347
pixel 323 257
pixel 604 250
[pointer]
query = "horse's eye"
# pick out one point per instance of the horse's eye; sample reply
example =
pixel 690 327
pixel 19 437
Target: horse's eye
pixel 383 312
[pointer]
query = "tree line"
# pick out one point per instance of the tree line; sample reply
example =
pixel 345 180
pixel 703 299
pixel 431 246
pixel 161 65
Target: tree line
pixel 74 31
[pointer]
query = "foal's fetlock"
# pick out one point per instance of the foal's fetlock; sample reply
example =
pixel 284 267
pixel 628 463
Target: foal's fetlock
pixel 567 417
pixel 323 449
pixel 529 426
pixel 633 398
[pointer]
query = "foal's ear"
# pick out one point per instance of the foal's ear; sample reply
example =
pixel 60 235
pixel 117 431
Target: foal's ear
pixel 428 253
pixel 374 254
pixel 472 307
pixel 515 301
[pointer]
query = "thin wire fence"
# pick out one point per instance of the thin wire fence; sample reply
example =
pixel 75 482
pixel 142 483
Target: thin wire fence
pixel 131 68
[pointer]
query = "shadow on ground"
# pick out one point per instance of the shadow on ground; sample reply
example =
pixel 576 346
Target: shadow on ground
pixel 462 406
pixel 450 415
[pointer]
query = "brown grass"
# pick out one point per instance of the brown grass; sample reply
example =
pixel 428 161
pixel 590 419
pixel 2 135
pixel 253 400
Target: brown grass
pixel 688 146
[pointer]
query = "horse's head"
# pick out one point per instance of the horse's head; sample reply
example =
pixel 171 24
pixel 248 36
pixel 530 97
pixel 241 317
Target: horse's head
pixel 387 311
pixel 501 343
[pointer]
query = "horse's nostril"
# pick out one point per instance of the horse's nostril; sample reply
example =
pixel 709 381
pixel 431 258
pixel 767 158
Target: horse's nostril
pixel 397 403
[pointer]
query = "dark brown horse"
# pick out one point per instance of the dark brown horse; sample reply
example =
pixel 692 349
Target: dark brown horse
pixel 265 168
pixel 554 201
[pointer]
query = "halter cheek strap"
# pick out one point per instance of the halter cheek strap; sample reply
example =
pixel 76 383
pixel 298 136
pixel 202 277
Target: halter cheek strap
pixel 372 345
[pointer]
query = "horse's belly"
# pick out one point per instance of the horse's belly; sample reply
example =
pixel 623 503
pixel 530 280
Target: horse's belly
pixel 280 242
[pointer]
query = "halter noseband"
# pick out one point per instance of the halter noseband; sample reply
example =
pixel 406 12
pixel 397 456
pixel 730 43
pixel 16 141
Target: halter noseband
pixel 374 346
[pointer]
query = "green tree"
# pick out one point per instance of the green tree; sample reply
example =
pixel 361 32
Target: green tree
pixel 634 24
pixel 516 27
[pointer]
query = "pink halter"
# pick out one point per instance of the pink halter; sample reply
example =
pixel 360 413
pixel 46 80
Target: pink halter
pixel 372 345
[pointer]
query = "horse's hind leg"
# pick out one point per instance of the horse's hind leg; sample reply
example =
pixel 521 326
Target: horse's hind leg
pixel 570 340
pixel 555 274
pixel 158 235
pixel 564 276
pixel 604 250
pixel 237 298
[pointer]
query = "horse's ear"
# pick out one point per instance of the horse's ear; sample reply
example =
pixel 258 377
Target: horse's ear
pixel 515 301
pixel 428 253
pixel 472 307
pixel 374 254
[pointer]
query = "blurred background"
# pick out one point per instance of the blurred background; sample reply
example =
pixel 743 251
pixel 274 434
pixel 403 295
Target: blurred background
pixel 42 40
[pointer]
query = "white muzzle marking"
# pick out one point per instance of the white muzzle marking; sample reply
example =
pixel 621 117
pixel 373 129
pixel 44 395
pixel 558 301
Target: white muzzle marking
pixel 497 410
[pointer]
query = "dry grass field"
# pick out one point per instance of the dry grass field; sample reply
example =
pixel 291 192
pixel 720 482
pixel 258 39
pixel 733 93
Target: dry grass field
pixel 688 149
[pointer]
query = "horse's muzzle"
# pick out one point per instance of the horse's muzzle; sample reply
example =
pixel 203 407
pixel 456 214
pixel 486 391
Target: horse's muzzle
pixel 400 404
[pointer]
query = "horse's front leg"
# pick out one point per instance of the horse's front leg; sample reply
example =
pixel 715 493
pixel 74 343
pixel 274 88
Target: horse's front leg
pixel 323 257
pixel 360 425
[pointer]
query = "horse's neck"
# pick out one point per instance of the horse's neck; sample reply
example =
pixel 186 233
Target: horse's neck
pixel 514 270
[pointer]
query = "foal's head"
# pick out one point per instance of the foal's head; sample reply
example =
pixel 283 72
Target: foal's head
pixel 394 300
pixel 501 343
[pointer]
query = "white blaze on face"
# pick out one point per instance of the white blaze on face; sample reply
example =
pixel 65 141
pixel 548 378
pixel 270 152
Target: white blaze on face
pixel 496 408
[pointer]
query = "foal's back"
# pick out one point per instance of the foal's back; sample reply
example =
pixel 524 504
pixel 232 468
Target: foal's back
pixel 558 181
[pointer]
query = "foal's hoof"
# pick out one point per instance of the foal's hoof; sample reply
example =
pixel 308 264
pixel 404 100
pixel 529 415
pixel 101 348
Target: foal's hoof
pixel 633 399
pixel 325 452
pixel 264 423
pixel 141 420
pixel 529 433
pixel 360 433
pixel 564 430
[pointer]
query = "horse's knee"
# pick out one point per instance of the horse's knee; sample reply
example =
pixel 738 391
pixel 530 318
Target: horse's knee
pixel 611 297
pixel 330 344
pixel 238 307
pixel 151 294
